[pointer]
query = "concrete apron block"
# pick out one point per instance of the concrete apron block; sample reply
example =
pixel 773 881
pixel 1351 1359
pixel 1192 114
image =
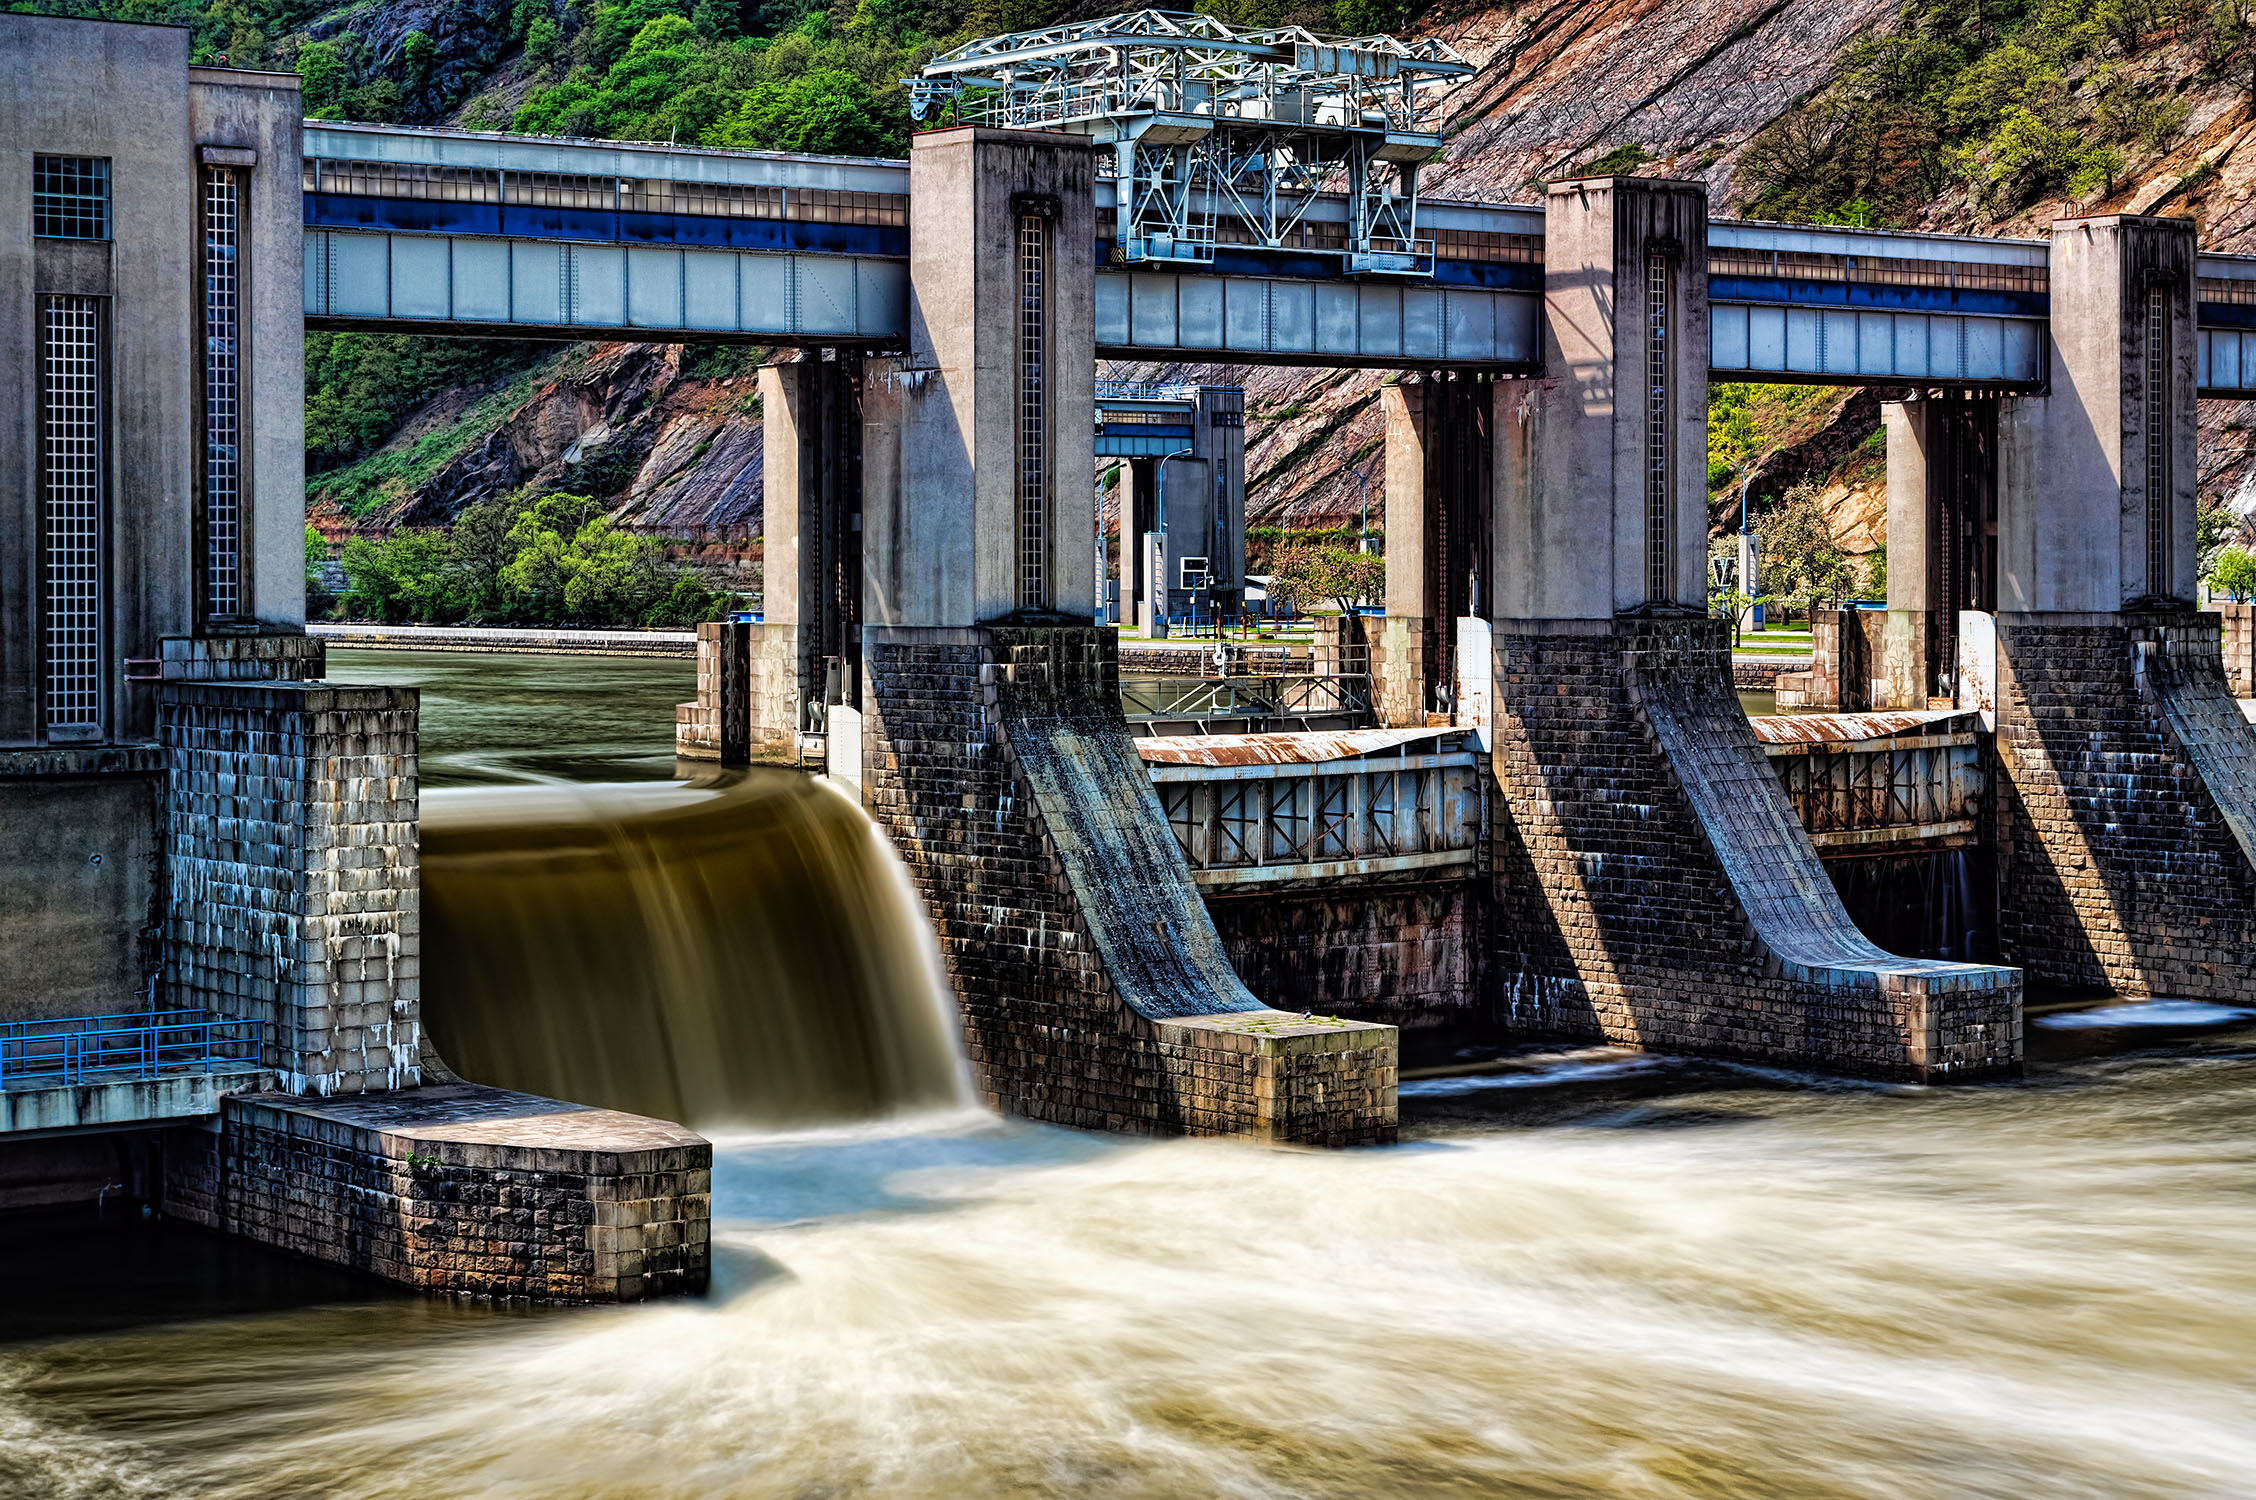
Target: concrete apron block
pixel 459 1188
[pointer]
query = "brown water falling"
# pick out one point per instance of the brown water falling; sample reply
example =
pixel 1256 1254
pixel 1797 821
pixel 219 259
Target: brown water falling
pixel 747 953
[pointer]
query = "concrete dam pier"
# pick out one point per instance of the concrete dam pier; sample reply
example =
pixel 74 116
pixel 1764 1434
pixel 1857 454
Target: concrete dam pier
pixel 1525 805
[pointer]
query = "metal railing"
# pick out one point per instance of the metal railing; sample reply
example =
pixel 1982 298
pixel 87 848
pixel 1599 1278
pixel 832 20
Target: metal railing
pixel 121 1048
pixel 1145 390
pixel 1247 695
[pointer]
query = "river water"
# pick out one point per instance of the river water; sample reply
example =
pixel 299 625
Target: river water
pixel 1581 1274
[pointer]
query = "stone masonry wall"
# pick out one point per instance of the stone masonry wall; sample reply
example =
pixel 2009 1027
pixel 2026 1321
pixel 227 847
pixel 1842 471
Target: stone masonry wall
pixel 2116 868
pixel 292 881
pixel 1408 956
pixel 1655 888
pixel 1108 1008
pixel 2238 645
pixel 411 1188
pixel 747 704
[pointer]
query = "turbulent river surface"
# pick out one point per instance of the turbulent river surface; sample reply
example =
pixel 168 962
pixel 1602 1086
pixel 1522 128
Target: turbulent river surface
pixel 1580 1274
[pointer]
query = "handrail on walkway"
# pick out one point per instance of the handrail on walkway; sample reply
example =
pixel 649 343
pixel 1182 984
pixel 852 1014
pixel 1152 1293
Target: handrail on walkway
pixel 73 1050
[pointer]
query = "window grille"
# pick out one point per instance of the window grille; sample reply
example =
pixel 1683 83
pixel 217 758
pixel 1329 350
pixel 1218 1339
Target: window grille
pixel 223 473
pixel 1288 819
pixel 1656 429
pixel 1033 410
pixel 1335 818
pixel 2157 350
pixel 1237 823
pixel 70 197
pixel 1180 802
pixel 71 470
pixel 2234 291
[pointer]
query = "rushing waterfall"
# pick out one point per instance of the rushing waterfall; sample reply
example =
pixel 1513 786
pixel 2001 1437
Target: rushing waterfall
pixel 748 953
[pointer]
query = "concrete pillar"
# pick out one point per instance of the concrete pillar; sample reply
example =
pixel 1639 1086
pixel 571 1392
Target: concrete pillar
pixel 1654 884
pixel 1904 664
pixel 1586 526
pixel 2080 529
pixel 1403 683
pixel 967 533
pixel 1094 989
pixel 293 892
pixel 2124 856
pixel 1440 480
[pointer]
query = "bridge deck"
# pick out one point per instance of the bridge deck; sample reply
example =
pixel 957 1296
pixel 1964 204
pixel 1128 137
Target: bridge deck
pixel 474 232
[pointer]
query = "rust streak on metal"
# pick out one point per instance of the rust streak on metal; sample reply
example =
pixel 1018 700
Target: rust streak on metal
pixel 1304 748
pixel 1789 729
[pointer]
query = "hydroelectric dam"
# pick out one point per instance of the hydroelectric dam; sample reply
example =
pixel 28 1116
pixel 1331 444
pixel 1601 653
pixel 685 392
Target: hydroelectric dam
pixel 256 983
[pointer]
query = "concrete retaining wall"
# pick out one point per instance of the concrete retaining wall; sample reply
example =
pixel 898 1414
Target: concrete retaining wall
pixel 81 880
pixel 458 1188
pixel 509 640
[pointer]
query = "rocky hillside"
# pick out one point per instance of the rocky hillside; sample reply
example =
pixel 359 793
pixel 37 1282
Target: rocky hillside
pixel 1783 107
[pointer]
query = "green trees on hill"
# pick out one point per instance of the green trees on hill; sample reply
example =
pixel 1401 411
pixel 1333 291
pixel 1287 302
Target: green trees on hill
pixel 557 560
pixel 2015 99
pixel 673 70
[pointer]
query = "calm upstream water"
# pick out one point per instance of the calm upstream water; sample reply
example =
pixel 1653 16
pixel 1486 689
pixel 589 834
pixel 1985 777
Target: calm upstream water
pixel 1581 1274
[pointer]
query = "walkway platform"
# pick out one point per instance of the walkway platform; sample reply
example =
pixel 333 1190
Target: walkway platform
pixel 529 640
pixel 102 1102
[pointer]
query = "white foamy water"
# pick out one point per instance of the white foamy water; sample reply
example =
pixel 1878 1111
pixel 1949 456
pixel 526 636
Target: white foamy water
pixel 2043 1290
pixel 2146 1013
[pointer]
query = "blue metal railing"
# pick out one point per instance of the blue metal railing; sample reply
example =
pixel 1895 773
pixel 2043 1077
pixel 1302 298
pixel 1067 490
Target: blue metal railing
pixel 103 1049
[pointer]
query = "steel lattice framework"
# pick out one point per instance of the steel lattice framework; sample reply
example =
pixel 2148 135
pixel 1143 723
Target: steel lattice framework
pixel 1222 134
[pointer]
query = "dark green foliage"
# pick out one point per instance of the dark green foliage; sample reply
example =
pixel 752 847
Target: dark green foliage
pixel 557 560
pixel 360 385
pixel 2017 98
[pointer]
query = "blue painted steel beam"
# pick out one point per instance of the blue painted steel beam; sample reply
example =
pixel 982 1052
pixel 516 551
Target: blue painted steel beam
pixel 523 221
pixel 1878 295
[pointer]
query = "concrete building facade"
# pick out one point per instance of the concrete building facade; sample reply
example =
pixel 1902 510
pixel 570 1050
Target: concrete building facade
pixel 149 289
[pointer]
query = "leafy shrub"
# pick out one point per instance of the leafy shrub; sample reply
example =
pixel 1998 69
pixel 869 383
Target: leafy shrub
pixel 2234 573
pixel 558 560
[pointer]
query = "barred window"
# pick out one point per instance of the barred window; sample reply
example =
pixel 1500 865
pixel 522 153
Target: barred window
pixel 377 179
pixel 71 523
pixel 837 206
pixel 70 197
pixel 1877 270
pixel 1485 245
pixel 223 473
pixel 2227 289
pixel 1033 411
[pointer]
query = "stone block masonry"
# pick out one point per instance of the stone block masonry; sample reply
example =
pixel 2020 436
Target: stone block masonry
pixel 1095 990
pixel 748 700
pixel 291 873
pixel 2124 765
pixel 460 1189
pixel 1655 887
pixel 1407 954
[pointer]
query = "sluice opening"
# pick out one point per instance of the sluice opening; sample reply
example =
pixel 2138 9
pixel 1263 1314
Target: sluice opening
pixel 1933 903
pixel 748 953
